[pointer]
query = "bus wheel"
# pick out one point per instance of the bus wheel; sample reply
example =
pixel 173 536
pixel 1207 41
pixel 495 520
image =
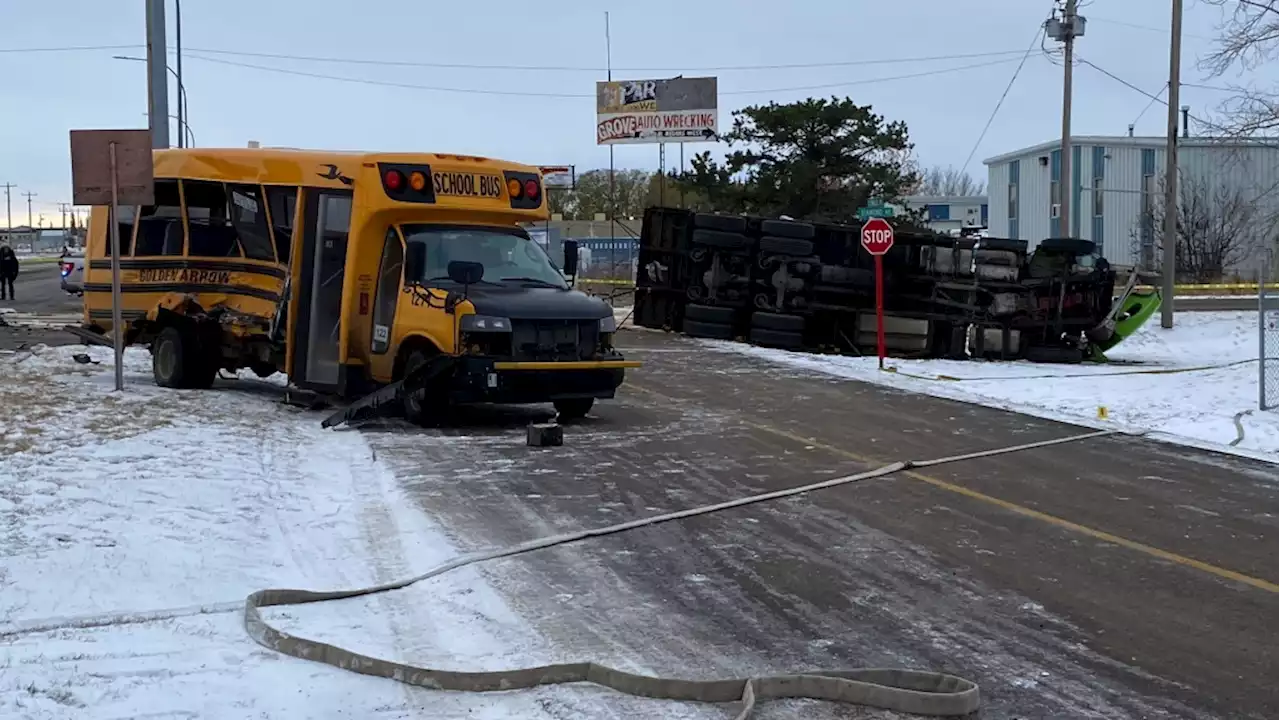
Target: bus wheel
pixel 415 403
pixel 169 358
pixel 573 408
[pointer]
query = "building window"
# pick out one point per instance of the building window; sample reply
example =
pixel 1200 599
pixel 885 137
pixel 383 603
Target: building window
pixel 939 212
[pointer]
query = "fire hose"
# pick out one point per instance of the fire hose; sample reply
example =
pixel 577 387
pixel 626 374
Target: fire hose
pixel 908 691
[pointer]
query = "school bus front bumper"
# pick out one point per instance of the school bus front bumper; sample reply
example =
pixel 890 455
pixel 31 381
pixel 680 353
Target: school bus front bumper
pixel 512 381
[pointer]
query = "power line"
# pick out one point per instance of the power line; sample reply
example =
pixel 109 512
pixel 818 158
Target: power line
pixel 572 68
pixel 1003 95
pixel 71 48
pixel 532 68
pixel 1153 98
pixel 1137 26
pixel 520 93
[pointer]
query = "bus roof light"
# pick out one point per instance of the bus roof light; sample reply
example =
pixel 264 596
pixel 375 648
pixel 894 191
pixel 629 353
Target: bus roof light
pixel 417 181
pixel 394 180
pixel 514 188
pixel 531 188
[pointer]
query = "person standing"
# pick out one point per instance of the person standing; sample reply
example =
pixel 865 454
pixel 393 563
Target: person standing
pixel 8 271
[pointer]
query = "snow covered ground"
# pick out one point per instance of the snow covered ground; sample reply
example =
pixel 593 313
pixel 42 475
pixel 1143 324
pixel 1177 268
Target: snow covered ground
pixel 132 526
pixel 1196 408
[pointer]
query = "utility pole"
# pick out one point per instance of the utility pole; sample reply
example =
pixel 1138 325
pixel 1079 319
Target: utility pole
pixel 1171 167
pixel 1066 29
pixel 8 205
pixel 157 79
pixel 64 207
pixel 29 195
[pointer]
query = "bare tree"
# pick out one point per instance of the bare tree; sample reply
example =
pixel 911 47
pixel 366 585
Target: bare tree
pixel 947 181
pixel 1219 229
pixel 1247 39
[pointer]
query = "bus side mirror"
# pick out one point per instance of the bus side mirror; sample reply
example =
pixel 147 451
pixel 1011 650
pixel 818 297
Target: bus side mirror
pixel 415 259
pixel 570 258
pixel 466 273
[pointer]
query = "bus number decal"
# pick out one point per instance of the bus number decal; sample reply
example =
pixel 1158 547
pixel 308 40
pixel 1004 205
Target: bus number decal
pixel 467 184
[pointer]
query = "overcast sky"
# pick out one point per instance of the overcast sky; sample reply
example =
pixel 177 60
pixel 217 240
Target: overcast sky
pixel 47 93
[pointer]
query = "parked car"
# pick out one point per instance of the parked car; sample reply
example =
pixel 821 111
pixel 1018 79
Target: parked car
pixel 71 271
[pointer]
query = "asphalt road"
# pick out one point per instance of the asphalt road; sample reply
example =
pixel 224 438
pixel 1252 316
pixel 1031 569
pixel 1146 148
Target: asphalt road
pixel 1103 578
pixel 38 291
pixel 1204 304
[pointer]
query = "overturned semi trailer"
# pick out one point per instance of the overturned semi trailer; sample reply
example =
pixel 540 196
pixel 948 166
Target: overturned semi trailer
pixel 811 286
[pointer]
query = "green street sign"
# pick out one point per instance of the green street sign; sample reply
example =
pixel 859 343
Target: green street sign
pixel 875 211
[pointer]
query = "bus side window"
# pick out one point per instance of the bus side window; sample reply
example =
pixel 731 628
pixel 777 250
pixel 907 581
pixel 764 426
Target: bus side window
pixel 160 225
pixel 249 218
pixel 283 202
pixel 209 230
pixel 127 215
pixel 388 291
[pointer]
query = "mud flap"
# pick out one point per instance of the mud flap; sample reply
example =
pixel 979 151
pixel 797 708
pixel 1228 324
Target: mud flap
pixel 387 394
pixel 1130 311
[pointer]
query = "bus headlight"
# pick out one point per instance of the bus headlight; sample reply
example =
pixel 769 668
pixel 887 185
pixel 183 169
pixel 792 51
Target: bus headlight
pixel 484 323
pixel 608 324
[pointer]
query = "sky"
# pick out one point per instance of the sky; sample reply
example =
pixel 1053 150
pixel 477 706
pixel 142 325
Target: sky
pixel 547 117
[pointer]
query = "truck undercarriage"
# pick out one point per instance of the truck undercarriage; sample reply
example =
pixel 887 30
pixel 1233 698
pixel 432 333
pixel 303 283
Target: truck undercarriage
pixel 810 286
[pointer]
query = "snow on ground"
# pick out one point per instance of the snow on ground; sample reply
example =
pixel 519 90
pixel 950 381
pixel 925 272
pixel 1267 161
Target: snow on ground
pixel 1192 408
pixel 179 504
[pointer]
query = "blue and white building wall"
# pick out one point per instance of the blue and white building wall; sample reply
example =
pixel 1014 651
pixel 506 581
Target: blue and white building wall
pixel 1115 179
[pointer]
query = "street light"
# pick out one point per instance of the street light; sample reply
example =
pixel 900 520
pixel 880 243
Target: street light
pixel 187 131
pixel 182 98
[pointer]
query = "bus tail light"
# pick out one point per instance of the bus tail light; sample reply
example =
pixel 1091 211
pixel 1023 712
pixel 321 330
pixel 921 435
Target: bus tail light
pixel 407 182
pixel 524 189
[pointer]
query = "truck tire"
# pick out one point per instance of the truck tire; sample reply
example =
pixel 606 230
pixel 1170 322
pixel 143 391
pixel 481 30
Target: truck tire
pixel 573 408
pixel 787 229
pixel 171 358
pixel 786 246
pixel 777 321
pixel 710 314
pixel 692 328
pixel 725 223
pixel 719 239
pixel 776 338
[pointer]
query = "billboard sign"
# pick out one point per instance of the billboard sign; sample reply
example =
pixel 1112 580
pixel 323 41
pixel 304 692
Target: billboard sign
pixel 656 111
pixel 558 176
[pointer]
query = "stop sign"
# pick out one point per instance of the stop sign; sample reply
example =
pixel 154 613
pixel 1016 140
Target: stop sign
pixel 877 236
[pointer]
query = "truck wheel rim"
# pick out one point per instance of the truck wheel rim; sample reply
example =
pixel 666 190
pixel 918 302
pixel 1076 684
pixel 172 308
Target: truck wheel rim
pixel 166 358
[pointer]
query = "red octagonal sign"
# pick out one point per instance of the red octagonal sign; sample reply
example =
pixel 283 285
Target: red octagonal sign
pixel 877 236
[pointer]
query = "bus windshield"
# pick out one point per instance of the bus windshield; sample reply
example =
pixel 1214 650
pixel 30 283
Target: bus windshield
pixel 509 258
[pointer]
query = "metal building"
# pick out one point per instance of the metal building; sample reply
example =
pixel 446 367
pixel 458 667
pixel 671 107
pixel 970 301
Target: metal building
pixel 947 213
pixel 1116 190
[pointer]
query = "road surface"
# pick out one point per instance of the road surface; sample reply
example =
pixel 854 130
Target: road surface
pixel 1205 304
pixel 1104 578
pixel 39 297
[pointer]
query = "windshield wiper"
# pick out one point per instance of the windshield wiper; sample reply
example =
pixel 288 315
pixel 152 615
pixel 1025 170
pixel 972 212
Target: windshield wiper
pixel 537 281
pixel 446 277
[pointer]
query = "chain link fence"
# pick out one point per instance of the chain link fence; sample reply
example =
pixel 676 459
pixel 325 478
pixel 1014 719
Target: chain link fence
pixel 1268 349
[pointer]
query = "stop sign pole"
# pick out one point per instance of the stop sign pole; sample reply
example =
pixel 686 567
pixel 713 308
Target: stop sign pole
pixel 877 238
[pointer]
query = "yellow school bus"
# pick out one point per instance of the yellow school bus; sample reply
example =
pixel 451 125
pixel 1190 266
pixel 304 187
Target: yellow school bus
pixel 406 273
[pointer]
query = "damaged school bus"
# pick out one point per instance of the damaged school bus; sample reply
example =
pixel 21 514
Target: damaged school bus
pixel 405 274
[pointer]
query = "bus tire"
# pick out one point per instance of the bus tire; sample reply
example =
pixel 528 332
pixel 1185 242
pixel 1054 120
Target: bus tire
pixel 571 409
pixel 170 358
pixel 416 405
